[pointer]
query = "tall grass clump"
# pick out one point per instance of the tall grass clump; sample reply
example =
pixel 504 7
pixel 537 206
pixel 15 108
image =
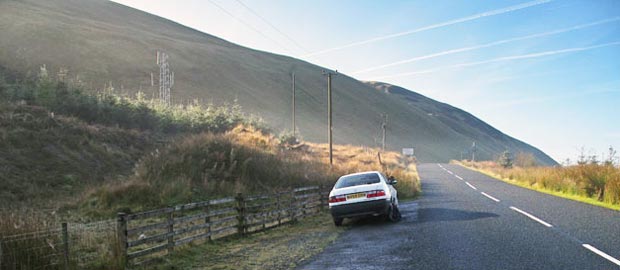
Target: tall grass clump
pixel 26 241
pixel 599 182
pixel 209 165
pixel 351 159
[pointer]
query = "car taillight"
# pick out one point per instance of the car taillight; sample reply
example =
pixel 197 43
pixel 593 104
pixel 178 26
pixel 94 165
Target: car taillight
pixel 375 193
pixel 339 198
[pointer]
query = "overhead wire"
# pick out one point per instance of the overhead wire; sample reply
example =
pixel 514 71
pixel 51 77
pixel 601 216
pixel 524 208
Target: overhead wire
pixel 273 26
pixel 249 26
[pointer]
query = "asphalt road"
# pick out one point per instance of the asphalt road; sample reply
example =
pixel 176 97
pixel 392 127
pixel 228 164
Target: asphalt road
pixel 466 220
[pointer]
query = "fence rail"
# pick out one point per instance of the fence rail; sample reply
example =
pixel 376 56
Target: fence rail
pixel 151 234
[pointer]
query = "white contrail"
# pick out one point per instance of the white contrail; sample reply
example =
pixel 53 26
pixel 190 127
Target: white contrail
pixel 451 22
pixel 491 44
pixel 501 59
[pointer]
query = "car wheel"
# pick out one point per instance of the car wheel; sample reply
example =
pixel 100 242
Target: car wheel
pixel 393 214
pixel 398 215
pixel 338 221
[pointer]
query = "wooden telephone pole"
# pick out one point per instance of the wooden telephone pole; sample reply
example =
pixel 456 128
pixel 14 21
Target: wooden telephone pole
pixel 473 152
pixel 383 128
pixel 329 113
pixel 293 124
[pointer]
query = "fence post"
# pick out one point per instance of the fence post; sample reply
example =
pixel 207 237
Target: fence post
pixel 65 244
pixel 279 207
pixel 240 213
pixel 321 198
pixel 293 207
pixel 121 231
pixel 208 220
pixel 170 232
pixel 264 210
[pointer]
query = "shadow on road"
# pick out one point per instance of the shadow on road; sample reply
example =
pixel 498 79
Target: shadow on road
pixel 444 214
pixel 366 221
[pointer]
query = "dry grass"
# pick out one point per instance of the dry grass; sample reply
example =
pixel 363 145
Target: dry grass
pixel 243 160
pixel 26 242
pixel 592 182
pixel 350 159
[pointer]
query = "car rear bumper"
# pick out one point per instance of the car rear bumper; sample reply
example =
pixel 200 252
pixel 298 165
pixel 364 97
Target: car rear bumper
pixel 376 207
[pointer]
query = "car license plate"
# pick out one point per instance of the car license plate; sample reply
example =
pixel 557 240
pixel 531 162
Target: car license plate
pixel 356 196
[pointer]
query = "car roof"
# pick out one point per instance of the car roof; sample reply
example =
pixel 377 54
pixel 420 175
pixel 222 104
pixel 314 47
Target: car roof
pixel 358 173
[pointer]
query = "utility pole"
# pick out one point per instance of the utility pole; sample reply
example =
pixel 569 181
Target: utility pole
pixel 383 128
pixel 473 152
pixel 293 127
pixel 329 113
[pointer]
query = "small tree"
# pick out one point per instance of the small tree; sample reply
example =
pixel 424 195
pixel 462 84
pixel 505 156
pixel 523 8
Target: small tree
pixel 593 160
pixel 505 160
pixel 582 159
pixel 288 138
pixel 612 156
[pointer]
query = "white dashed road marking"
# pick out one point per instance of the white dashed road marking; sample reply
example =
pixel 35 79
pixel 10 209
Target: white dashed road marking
pixel 471 186
pixel 602 254
pixel 489 196
pixel 587 246
pixel 531 216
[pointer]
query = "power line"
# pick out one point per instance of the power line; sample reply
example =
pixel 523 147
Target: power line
pixel 249 26
pixel 273 26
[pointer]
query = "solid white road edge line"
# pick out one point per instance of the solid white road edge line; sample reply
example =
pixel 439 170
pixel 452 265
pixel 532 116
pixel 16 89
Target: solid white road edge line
pixel 531 216
pixel 471 186
pixel 489 196
pixel 602 254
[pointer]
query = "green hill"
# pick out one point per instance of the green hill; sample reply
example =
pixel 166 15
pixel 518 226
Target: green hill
pixel 101 42
pixel 46 157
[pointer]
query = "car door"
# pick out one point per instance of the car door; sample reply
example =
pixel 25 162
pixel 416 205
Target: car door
pixel 392 189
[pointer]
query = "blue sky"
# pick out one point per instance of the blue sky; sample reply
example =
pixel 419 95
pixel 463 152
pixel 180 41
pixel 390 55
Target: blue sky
pixel 545 72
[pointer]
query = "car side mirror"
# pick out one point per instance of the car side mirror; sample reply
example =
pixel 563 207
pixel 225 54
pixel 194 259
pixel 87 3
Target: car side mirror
pixel 393 182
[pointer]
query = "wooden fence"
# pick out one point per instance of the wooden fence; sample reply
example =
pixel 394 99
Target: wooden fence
pixel 148 235
pixel 68 246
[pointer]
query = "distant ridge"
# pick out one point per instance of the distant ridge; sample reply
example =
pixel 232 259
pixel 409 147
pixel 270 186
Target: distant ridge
pixel 102 41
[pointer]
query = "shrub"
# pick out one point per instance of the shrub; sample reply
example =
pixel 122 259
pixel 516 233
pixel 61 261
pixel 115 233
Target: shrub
pixel 288 138
pixel 505 159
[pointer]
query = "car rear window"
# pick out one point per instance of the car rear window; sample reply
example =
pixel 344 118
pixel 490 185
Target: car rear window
pixel 356 180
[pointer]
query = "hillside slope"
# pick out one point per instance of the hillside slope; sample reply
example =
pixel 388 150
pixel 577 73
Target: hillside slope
pixel 45 157
pixel 101 41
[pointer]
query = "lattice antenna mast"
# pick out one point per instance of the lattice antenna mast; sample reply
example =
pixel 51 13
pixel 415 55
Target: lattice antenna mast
pixel 166 78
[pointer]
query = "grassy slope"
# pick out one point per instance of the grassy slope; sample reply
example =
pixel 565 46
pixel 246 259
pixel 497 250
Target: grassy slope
pixel 51 158
pixel 244 160
pixel 45 158
pixel 103 41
